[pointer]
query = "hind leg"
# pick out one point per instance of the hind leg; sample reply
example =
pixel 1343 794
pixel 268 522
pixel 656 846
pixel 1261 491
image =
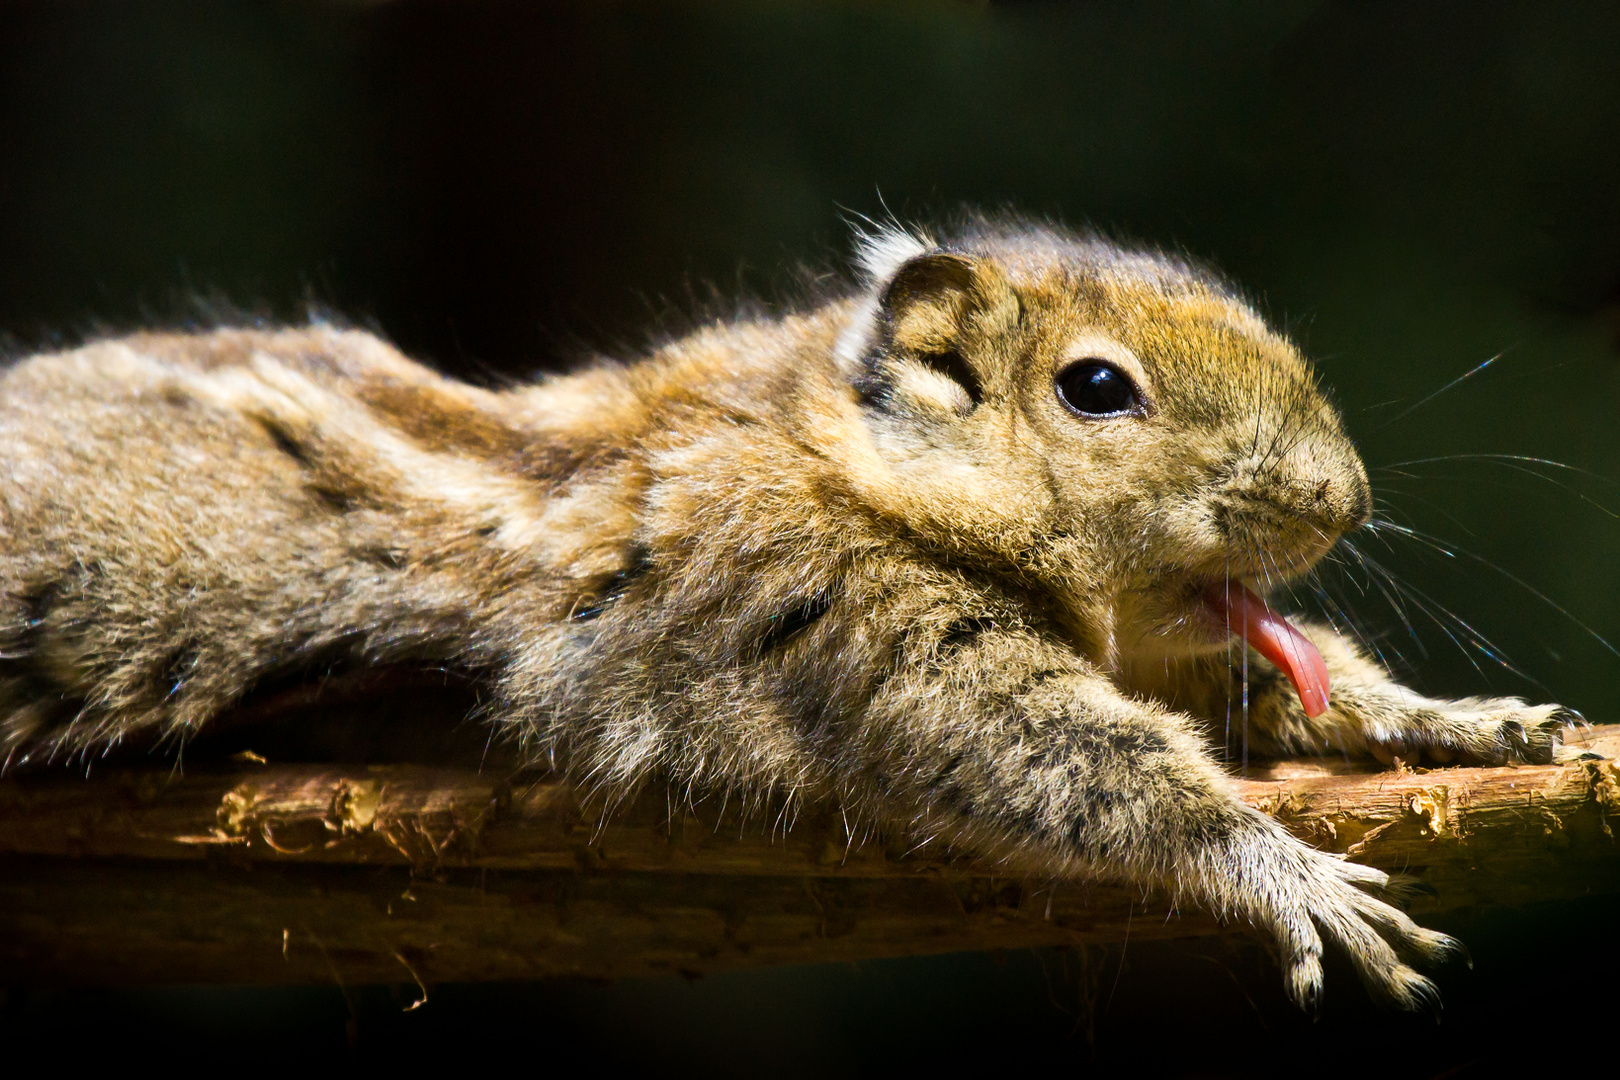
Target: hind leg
pixel 87 660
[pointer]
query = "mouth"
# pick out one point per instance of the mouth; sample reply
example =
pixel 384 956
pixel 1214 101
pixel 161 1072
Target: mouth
pixel 1244 614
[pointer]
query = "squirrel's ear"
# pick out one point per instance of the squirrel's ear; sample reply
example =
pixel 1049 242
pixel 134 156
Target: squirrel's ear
pixel 929 309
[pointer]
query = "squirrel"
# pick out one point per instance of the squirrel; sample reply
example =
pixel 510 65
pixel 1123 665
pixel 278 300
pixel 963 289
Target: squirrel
pixel 968 548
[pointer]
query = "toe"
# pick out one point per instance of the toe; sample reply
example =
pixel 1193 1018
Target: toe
pixel 1304 982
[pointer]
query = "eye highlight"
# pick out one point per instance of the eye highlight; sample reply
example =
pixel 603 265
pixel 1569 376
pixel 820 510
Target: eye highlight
pixel 1097 388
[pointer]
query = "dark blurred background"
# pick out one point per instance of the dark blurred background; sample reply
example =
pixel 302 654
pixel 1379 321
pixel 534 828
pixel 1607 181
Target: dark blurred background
pixel 1410 189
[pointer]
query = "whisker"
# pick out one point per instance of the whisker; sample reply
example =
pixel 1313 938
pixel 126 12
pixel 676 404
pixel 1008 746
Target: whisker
pixel 1349 627
pixel 1438 613
pixel 1470 373
pixel 1226 743
pixel 1438 545
pixel 1384 581
pixel 1388 508
pixel 1345 623
pixel 1517 463
pixel 1294 428
pixel 1522 458
pixel 1397 599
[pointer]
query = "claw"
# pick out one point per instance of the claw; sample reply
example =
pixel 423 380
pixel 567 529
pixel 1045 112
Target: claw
pixel 1414 993
pixel 1568 717
pixel 1305 986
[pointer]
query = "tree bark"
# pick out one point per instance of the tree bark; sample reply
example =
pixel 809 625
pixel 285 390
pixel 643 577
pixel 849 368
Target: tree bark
pixel 261 873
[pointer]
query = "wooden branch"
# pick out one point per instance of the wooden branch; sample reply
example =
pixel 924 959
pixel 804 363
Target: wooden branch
pixel 286 873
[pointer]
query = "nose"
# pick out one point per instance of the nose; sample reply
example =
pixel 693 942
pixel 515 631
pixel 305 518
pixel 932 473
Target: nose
pixel 1360 507
pixel 1331 488
pixel 1334 504
pixel 1328 493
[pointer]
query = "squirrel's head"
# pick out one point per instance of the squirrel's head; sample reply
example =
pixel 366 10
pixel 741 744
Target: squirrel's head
pixel 1115 426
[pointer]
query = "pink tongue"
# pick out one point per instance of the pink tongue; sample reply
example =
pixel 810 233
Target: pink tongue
pixel 1246 615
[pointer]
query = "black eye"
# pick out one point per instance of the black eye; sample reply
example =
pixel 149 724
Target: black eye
pixel 1095 388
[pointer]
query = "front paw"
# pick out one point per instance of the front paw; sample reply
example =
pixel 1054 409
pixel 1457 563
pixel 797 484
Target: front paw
pixel 1304 897
pixel 1472 731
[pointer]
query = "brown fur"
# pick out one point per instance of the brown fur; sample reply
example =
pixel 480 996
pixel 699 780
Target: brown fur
pixel 861 554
